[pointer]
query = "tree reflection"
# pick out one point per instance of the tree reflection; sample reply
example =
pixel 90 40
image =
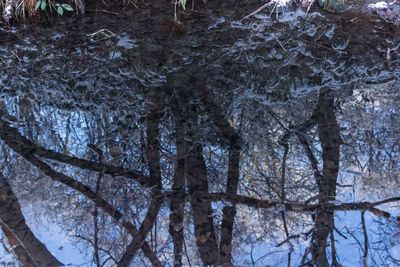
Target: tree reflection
pixel 245 144
pixel 179 167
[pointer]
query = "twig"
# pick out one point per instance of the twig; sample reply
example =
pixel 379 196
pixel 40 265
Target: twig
pixel 16 55
pixel 288 239
pixel 280 44
pixel 110 257
pixel 356 239
pixel 340 233
pixel 105 32
pixel 103 11
pixel 309 6
pixel 310 42
pixel 256 11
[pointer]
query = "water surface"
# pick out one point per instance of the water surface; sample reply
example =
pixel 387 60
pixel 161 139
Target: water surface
pixel 134 140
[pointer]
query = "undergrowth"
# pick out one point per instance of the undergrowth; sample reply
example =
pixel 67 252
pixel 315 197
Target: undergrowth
pixel 22 9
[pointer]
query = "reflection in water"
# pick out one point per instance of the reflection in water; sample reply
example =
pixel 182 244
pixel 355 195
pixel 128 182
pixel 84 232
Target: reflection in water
pixel 255 150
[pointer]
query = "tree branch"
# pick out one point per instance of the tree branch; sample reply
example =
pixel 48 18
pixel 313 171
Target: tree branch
pixel 301 207
pixel 13 138
pixel 85 190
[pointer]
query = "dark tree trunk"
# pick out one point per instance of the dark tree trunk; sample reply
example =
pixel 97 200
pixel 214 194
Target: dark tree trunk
pixel 154 114
pixel 229 212
pixel 185 87
pixel 178 190
pixel 22 255
pixel 229 133
pixel 11 215
pixel 329 136
pixel 201 206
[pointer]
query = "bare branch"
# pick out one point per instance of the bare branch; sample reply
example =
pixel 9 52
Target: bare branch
pixel 13 138
pixel 85 190
pixel 301 207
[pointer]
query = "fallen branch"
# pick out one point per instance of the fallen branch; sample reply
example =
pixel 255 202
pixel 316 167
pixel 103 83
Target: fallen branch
pixel 257 10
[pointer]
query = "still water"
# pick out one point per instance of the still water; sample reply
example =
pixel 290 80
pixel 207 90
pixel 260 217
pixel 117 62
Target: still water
pixel 135 140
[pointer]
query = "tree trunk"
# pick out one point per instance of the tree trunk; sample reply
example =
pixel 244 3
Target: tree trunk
pixel 22 255
pixel 329 136
pixel 196 172
pixel 229 133
pixel 178 189
pixel 201 206
pixel 11 215
pixel 155 111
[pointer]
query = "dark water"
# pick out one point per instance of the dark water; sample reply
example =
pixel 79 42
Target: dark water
pixel 137 140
